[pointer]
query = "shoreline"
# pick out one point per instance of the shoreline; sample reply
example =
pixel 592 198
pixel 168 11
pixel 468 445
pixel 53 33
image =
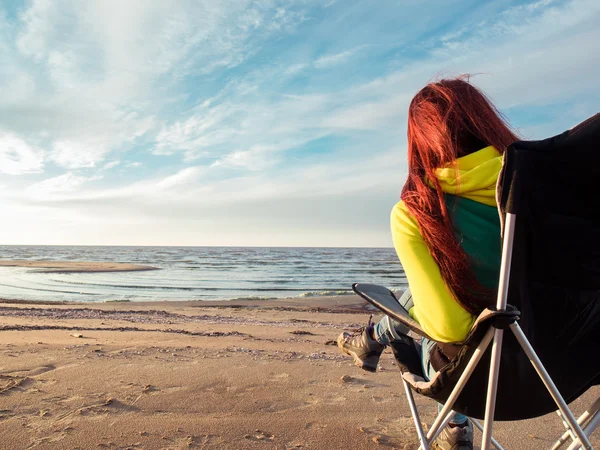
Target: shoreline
pixel 348 303
pixel 323 301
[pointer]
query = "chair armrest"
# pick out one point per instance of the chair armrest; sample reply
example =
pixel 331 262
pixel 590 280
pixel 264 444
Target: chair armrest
pixel 385 300
pixel 500 319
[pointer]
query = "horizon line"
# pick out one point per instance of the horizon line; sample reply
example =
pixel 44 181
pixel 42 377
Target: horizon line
pixel 191 246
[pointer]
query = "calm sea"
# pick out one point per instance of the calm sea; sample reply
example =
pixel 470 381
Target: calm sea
pixel 200 273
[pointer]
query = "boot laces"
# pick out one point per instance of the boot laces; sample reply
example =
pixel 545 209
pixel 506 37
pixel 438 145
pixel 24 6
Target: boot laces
pixel 358 331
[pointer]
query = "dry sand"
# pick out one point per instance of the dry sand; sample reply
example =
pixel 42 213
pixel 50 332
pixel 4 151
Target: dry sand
pixel 200 375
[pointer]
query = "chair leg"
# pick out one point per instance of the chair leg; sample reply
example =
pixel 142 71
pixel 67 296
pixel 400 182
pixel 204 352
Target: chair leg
pixel 560 402
pixel 588 430
pixel 480 427
pixel 503 283
pixel 490 405
pixel 569 433
pixel 591 425
pixel 594 421
pixel 477 354
pixel 583 421
pixel 415 414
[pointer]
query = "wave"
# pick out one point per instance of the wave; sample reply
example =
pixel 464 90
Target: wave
pixel 254 297
pixel 325 293
pixel 133 286
pixel 193 288
pixel 46 290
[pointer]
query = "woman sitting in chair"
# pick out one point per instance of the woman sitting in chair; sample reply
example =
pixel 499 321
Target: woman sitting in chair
pixel 446 228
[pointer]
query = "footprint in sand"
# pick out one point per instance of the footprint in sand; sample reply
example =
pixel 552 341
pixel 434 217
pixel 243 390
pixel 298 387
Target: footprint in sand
pixel 5 414
pixel 42 369
pixel 9 382
pixel 401 429
pixel 173 388
pixel 382 399
pixel 360 383
pixel 33 372
pixel 150 389
pixel 279 377
pixel 260 436
pixel 311 401
pixel 22 377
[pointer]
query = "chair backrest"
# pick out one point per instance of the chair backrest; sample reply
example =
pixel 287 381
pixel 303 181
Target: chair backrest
pixel 552 188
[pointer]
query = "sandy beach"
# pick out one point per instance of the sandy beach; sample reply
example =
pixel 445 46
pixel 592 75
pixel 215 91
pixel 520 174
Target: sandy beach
pixel 206 375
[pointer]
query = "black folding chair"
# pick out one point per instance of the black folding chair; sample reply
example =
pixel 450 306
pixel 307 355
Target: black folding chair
pixel 549 204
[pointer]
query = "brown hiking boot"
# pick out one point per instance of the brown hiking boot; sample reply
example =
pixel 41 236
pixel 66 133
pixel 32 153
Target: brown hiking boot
pixel 362 347
pixel 459 437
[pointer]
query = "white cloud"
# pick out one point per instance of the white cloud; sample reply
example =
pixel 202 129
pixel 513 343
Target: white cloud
pixel 188 188
pixel 294 69
pixel 111 164
pixel 40 23
pixel 258 157
pixel 106 64
pixel 327 61
pixel 184 176
pixel 247 132
pixel 77 154
pixel 61 184
pixel 370 115
pixel 195 135
pixel 17 157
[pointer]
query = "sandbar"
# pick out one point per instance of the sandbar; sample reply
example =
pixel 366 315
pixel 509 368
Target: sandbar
pixel 76 266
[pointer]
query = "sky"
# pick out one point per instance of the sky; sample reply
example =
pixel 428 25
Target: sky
pixel 255 123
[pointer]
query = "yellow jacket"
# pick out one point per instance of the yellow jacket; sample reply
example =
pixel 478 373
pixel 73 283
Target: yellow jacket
pixel 472 177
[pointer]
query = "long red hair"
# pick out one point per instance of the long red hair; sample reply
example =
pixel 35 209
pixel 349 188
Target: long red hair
pixel 446 120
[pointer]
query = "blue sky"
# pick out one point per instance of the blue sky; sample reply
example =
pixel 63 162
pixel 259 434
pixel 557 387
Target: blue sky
pixel 264 122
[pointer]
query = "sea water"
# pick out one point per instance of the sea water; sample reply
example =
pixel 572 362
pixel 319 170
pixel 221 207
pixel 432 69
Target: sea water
pixel 199 273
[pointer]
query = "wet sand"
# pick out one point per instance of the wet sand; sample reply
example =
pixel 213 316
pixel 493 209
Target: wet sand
pixel 207 375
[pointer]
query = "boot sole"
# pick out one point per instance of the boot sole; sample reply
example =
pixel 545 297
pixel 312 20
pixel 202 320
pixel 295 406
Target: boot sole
pixel 357 361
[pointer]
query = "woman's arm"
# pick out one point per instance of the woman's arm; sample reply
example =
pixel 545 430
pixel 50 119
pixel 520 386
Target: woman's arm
pixel 435 307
